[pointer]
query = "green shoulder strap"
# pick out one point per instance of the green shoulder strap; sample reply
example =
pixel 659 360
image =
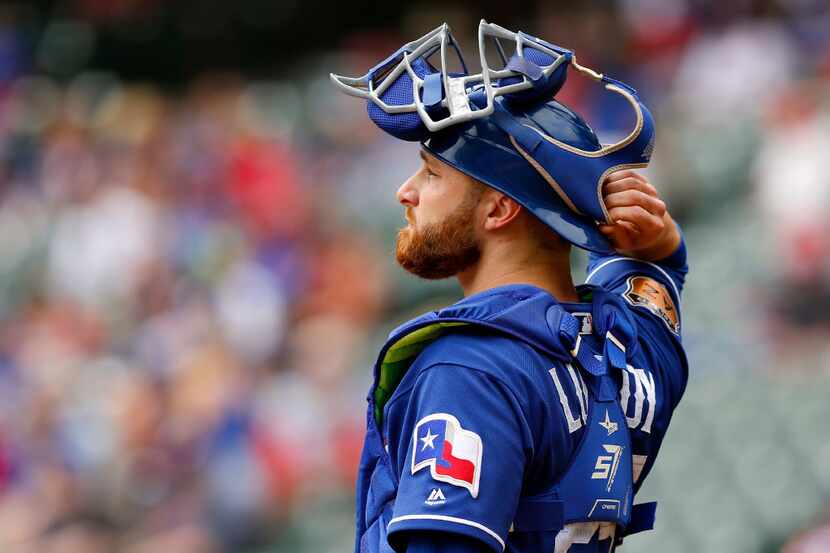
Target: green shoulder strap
pixel 399 356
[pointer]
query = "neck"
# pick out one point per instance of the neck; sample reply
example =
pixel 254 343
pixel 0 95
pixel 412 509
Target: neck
pixel 499 266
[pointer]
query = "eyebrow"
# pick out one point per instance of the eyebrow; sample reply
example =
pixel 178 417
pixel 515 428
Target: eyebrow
pixel 429 160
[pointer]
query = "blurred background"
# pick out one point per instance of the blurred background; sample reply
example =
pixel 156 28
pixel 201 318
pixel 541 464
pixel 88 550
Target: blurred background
pixel 196 262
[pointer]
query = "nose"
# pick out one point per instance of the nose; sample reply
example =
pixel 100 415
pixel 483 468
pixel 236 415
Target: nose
pixel 407 193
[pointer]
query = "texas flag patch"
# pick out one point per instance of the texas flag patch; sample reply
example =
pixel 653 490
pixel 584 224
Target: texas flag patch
pixel 452 454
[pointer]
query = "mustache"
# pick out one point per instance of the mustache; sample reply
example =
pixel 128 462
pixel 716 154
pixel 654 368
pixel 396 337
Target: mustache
pixel 409 215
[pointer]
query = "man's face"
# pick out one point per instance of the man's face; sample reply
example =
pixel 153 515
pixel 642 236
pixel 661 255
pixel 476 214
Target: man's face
pixel 440 240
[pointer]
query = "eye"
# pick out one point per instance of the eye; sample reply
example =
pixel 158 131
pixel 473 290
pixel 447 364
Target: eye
pixel 431 173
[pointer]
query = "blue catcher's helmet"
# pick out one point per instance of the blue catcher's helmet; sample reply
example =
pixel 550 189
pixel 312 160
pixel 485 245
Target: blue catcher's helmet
pixel 503 128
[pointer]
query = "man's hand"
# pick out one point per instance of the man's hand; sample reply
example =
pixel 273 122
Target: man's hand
pixel 641 227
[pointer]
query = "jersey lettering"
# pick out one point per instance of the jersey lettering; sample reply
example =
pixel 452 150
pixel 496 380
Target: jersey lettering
pixel 574 423
pixel 644 396
pixel 644 389
pixel 581 391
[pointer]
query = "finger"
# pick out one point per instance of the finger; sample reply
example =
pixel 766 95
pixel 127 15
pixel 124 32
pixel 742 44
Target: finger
pixel 622 228
pixel 629 183
pixel 638 216
pixel 621 236
pixel 629 227
pixel 609 230
pixel 653 205
pixel 624 174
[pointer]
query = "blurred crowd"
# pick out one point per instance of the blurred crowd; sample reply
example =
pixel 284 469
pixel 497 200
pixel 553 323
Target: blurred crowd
pixel 193 282
pixel 177 314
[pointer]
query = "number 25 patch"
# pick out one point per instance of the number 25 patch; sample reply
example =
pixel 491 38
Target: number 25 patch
pixel 646 292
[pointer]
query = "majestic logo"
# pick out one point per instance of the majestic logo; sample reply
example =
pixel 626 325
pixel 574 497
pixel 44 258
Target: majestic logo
pixel 607 465
pixel 608 424
pixel 452 454
pixel 436 497
pixel 646 292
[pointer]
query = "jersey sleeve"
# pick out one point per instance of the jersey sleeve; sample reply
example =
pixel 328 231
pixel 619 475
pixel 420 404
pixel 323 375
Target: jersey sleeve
pixel 426 542
pixel 651 288
pixel 460 457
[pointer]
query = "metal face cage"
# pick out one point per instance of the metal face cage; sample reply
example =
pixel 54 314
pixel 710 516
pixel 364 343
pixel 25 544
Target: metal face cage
pixel 470 96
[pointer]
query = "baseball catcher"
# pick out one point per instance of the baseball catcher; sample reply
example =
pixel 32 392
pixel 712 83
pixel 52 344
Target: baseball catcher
pixel 525 417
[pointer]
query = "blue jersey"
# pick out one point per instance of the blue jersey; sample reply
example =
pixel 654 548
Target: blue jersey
pixel 480 414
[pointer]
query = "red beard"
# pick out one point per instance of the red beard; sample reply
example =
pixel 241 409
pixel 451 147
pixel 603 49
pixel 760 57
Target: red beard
pixel 440 250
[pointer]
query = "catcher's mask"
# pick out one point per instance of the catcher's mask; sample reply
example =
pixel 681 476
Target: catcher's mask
pixel 502 126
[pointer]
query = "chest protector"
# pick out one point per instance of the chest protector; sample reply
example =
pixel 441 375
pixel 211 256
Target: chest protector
pixel 593 497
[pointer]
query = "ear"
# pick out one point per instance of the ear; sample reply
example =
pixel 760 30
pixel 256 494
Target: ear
pixel 500 208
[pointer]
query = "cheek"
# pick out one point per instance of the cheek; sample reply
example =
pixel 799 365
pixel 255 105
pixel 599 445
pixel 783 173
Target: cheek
pixel 438 199
pixel 434 212
pixel 430 206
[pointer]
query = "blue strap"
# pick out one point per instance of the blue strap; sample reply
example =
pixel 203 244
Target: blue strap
pixel 598 371
pixel 614 321
pixel 642 518
pixel 558 49
pixel 522 65
pixel 526 138
pixel 539 515
pixel 586 357
pixel 568 325
pixel 613 353
pixel 433 90
pixel 548 515
pixel 614 332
